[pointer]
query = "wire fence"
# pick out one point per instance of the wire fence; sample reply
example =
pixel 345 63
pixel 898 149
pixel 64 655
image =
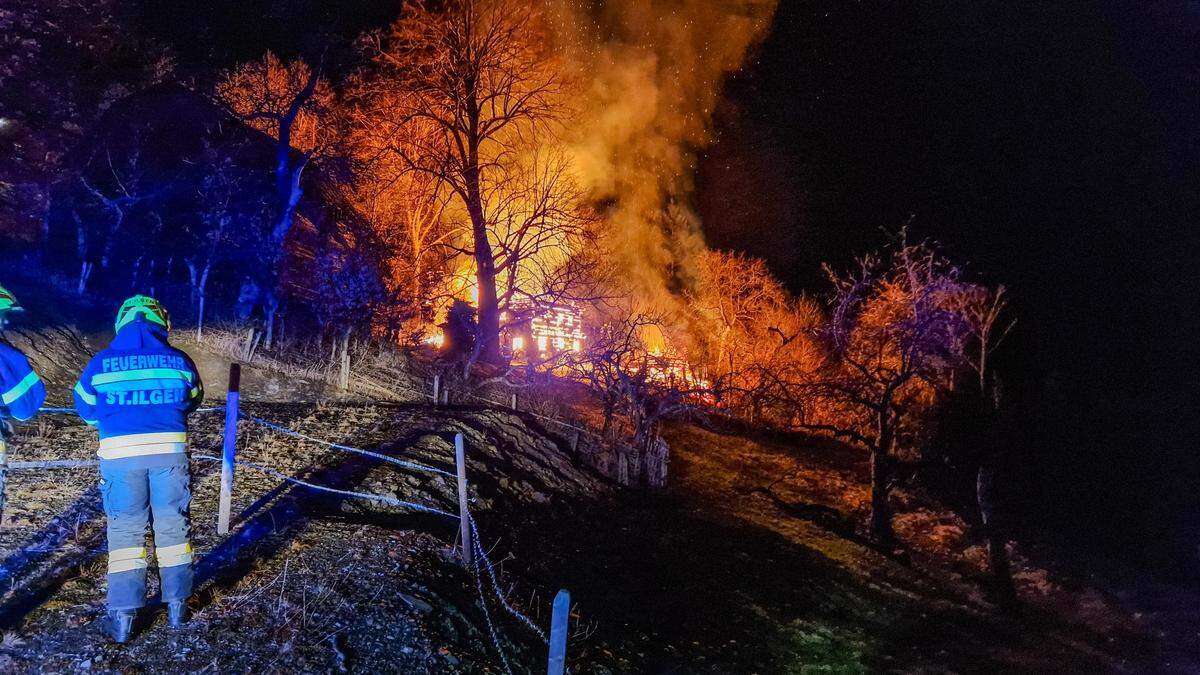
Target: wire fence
pixel 383 499
pixel 472 547
pixel 346 448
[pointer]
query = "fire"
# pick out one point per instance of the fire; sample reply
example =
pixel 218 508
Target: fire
pixel 464 285
pixel 553 331
pixel 558 329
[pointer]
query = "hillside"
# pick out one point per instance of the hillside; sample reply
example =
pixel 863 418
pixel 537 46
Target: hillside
pixel 752 560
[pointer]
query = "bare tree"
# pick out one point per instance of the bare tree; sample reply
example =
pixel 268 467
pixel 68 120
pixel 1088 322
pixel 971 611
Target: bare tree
pixel 478 74
pixel 893 339
pixel 632 381
pixel 545 242
pixel 406 208
pixel 292 104
pixel 224 193
pixel 988 323
pixel 119 186
pixel 755 334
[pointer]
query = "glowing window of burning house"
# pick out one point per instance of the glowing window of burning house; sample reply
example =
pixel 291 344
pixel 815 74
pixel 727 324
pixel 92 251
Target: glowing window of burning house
pixel 559 328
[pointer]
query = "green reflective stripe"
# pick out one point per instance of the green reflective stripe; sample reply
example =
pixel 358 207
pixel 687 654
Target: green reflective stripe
pixel 87 398
pixel 144 374
pixel 18 391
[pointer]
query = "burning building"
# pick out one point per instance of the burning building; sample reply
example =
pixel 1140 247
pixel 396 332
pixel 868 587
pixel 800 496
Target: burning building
pixel 549 331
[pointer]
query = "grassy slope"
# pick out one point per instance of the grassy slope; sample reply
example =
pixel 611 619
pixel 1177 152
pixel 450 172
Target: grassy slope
pixel 749 562
pixel 715 575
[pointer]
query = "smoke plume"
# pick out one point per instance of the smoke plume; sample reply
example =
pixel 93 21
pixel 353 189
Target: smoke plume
pixel 650 74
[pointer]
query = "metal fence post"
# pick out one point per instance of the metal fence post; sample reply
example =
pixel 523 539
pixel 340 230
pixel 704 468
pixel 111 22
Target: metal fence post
pixel 514 401
pixel 464 515
pixel 437 386
pixel 229 452
pixel 558 633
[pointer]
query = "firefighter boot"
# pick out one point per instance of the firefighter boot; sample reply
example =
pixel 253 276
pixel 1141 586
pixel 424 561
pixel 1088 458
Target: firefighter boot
pixel 177 613
pixel 119 624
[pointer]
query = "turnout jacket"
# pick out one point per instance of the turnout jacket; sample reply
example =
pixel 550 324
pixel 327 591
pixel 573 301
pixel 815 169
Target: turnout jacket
pixel 22 392
pixel 139 393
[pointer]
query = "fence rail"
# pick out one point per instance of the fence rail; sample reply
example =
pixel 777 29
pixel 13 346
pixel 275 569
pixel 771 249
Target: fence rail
pixel 472 553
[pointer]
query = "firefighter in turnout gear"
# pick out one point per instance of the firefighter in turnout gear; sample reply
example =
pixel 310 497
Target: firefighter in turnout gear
pixel 22 392
pixel 139 392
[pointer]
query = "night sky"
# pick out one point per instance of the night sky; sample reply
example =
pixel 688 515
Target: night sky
pixel 1051 145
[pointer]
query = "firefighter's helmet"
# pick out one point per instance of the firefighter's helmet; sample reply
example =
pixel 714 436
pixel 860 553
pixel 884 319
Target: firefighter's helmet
pixel 8 301
pixel 144 306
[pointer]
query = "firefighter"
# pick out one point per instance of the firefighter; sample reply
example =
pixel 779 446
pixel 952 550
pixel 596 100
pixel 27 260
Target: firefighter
pixel 22 392
pixel 139 392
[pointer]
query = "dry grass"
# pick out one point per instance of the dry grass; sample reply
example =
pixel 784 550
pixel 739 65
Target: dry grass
pixel 376 371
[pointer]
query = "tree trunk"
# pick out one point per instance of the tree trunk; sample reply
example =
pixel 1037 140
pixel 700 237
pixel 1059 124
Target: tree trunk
pixel 137 267
pixel 488 331
pixel 202 293
pixel 152 277
pixel 118 220
pixel 85 272
pixel 200 319
pixel 881 455
pixel 881 512
pixel 270 307
pixel 81 246
pixel 985 493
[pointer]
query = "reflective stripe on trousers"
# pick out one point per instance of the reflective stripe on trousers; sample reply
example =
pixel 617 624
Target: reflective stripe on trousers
pixel 130 498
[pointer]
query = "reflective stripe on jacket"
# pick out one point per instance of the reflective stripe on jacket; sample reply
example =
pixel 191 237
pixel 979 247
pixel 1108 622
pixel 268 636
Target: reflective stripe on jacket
pixel 22 392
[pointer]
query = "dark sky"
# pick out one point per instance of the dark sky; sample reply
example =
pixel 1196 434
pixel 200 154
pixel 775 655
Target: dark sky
pixel 1051 144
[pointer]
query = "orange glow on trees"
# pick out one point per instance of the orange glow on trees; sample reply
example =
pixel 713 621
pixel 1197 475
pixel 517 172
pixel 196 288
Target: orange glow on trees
pixel 478 76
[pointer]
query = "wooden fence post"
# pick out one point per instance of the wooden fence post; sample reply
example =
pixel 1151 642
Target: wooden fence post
pixel 558 633
pixel 344 366
pixel 229 452
pixel 464 515
pixel 437 387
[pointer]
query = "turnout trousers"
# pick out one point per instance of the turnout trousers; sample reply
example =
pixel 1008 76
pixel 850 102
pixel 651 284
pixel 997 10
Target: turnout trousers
pixel 133 498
